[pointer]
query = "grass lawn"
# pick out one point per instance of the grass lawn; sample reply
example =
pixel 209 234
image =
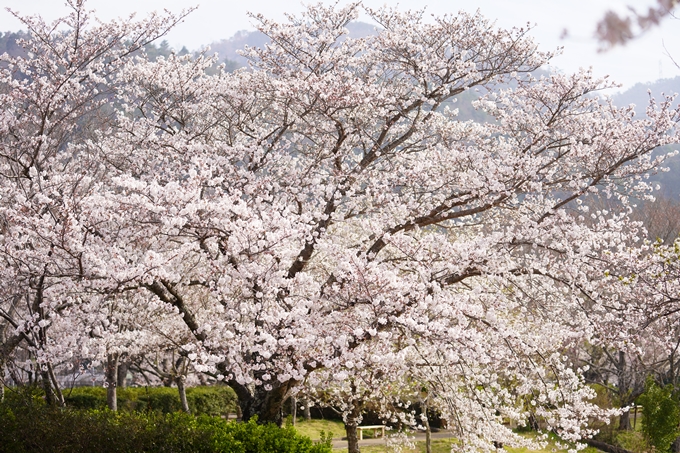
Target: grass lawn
pixel 313 428
pixel 438 446
pixel 444 446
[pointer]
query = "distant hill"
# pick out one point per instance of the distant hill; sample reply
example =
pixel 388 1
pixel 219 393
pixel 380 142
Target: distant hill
pixel 227 49
pixel 639 93
pixel 8 43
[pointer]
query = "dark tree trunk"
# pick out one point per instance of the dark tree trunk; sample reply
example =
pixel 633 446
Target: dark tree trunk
pixel 53 395
pixel 624 421
pixel 428 431
pixel 293 409
pixel 351 423
pixel 266 404
pixel 533 422
pixel 112 381
pixel 675 446
pixel 123 367
pixel 2 364
pixel 308 411
pixel 2 380
pixel 183 394
pixel 50 400
pixel 59 397
pixel 606 447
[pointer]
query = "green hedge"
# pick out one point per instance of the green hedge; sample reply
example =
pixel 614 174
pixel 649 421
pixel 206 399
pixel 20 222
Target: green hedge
pixel 216 400
pixel 29 428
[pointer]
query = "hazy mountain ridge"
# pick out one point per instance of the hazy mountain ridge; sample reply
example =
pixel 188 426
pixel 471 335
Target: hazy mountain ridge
pixel 639 94
pixel 227 49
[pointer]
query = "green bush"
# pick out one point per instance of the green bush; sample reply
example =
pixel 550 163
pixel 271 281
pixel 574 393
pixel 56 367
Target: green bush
pixel 660 415
pixel 218 400
pixel 28 428
pixel 44 429
pixel 21 396
pixel 86 397
pixel 215 400
pixel 161 399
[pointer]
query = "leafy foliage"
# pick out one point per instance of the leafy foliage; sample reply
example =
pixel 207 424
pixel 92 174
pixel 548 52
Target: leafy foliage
pixel 661 415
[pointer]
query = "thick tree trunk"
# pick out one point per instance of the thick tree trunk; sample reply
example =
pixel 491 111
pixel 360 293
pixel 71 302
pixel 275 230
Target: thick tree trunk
pixel 50 400
pixel 112 381
pixel 293 409
pixel 59 397
pixel 428 431
pixel 533 422
pixel 606 447
pixel 624 421
pixel 267 405
pixel 675 446
pixel 308 411
pixel 351 424
pixel 183 394
pixel 123 367
pixel 352 438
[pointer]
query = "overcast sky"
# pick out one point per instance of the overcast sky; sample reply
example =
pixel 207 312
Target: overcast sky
pixel 643 60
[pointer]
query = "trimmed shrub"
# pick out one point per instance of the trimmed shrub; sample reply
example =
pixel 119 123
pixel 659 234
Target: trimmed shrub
pixel 86 398
pixel 249 437
pixel 215 400
pixel 30 428
pixel 161 399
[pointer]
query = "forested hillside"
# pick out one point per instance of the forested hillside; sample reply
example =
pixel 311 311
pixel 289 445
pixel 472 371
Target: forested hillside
pixel 639 95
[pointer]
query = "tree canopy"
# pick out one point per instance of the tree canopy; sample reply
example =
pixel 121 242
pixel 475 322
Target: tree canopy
pixel 323 215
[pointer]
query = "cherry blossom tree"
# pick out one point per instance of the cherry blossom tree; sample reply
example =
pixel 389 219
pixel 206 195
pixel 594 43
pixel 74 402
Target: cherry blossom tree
pixel 328 197
pixel 293 218
pixel 55 96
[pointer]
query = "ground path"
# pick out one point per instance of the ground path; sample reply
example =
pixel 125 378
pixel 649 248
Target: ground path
pixel 419 437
